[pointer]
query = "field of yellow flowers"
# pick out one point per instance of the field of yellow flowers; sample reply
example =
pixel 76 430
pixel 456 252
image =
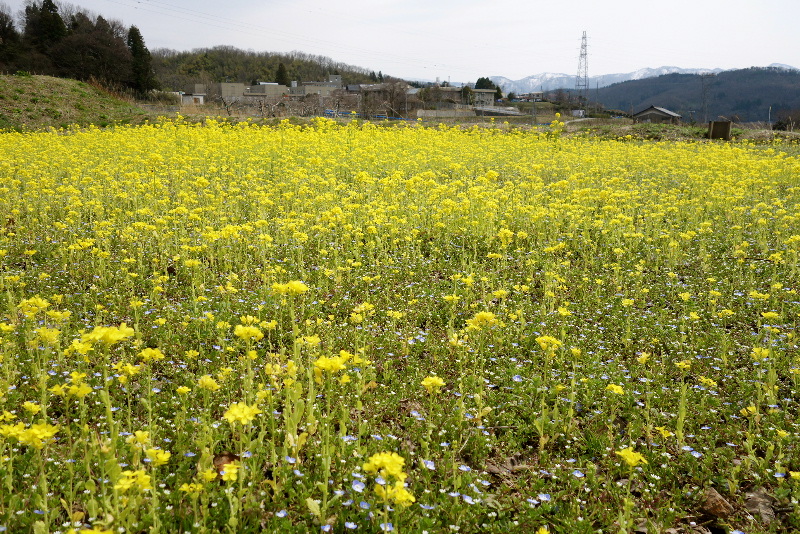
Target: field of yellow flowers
pixel 334 328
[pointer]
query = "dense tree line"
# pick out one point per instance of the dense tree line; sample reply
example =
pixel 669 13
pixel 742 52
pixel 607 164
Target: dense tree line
pixel 177 70
pixel 75 45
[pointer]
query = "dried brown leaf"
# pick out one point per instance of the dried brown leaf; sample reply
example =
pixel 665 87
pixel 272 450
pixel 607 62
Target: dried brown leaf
pixel 759 504
pixel 715 504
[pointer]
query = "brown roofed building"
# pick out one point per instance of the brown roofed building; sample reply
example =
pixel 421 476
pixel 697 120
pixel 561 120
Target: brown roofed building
pixel 657 115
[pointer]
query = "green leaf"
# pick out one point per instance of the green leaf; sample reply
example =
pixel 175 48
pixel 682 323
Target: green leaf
pixel 313 507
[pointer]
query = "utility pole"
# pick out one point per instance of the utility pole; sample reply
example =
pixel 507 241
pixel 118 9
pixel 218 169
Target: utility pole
pixel 597 105
pixel 582 79
pixel 704 79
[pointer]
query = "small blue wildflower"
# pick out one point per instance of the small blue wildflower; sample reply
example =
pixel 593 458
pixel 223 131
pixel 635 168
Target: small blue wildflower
pixel 364 505
pixel 358 486
pixel 282 513
pixel 578 474
pixel 350 525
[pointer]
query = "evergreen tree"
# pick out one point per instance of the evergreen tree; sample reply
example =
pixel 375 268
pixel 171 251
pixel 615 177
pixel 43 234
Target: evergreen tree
pixel 9 40
pixel 484 83
pixel 93 49
pixel 498 94
pixel 143 79
pixel 282 76
pixel 44 27
pixel 467 95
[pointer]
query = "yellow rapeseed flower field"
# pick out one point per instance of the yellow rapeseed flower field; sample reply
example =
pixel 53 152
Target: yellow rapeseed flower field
pixel 501 313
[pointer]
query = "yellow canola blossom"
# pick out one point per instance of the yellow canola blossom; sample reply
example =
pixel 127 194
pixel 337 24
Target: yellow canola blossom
pixel 248 333
pixel 432 383
pixel 36 436
pixel 241 413
pixel 294 287
pixel 386 464
pixel 108 335
pixel 482 320
pixel 631 457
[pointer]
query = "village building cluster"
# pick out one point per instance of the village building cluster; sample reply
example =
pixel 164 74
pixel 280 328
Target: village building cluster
pixel 389 99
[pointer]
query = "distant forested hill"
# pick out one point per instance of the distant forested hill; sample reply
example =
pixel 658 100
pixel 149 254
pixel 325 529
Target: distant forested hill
pixel 70 42
pixel 176 69
pixel 744 95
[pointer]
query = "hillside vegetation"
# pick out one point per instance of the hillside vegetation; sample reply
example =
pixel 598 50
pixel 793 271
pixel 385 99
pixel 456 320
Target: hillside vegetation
pixel 744 95
pixel 38 102
pixel 175 70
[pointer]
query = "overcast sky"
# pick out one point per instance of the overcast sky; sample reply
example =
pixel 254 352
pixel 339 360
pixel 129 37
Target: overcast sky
pixel 462 40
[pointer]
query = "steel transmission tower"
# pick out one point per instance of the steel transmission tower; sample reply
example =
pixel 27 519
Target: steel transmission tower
pixel 582 80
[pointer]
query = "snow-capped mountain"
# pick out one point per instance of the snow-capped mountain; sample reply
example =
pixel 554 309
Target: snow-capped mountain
pixel 782 66
pixel 548 81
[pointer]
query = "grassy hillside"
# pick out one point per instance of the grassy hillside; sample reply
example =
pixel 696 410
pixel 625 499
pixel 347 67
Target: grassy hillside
pixel 36 102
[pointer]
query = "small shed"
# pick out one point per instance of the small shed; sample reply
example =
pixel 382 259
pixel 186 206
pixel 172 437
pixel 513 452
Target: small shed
pixel 193 99
pixel 657 115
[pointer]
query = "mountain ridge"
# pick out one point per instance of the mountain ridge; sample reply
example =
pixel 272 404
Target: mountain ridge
pixel 549 81
pixel 743 95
